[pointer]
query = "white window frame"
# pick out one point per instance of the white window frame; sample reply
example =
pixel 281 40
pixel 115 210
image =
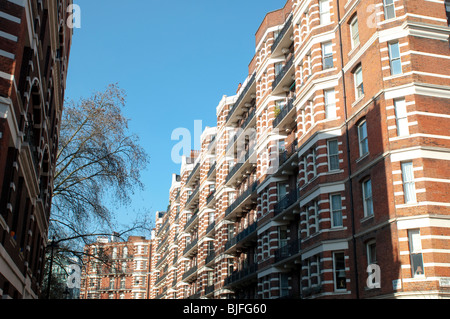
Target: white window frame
pixel 401 117
pixel 334 272
pixel 409 188
pixel 395 57
pixel 367 198
pixel 363 140
pixel 371 259
pixel 330 104
pixel 359 85
pixel 354 35
pixel 334 210
pixel 415 248
pixel 330 155
pixel 389 7
pixel 314 161
pixel 325 11
pixel 327 54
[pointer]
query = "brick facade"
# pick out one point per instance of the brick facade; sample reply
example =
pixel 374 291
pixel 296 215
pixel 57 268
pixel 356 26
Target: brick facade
pixel 116 270
pixel 34 51
pixel 344 172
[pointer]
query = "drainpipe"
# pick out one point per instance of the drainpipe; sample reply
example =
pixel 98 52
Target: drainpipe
pixel 352 210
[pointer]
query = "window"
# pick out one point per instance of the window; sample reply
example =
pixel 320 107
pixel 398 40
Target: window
pixel 359 86
pixel 327 52
pixel 278 68
pixel 324 8
pixel 339 271
pixel 308 62
pixel 409 188
pixel 401 117
pixel 394 58
pixel 447 11
pixel 371 253
pixel 367 198
pixel 415 249
pixel 336 210
pixel 330 104
pixel 354 31
pixel 305 168
pixel 333 155
pixel 314 162
pixel 363 139
pixel 389 9
pixel 282 190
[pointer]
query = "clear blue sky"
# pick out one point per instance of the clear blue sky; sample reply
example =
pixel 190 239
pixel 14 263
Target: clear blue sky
pixel 175 60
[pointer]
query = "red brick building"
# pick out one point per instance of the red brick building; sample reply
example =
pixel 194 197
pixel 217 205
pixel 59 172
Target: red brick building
pixel 328 174
pixel 34 51
pixel 116 270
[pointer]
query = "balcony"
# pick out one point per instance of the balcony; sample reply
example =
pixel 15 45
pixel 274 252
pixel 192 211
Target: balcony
pixel 244 162
pixel 240 239
pixel 247 197
pixel 243 129
pixel 285 155
pixel 210 257
pixel 191 221
pixel 283 118
pixel 285 79
pixel 191 248
pixel 190 201
pixel 210 228
pixel 209 289
pixel 193 173
pixel 211 171
pixel 286 201
pixel 244 93
pixel 284 37
pixel 289 250
pixel 247 273
pixel 190 275
pixel 210 199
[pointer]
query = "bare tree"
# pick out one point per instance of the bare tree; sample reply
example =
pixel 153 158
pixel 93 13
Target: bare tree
pixel 98 161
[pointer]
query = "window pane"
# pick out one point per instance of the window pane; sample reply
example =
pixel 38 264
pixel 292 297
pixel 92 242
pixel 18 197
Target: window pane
pixel 339 270
pixel 330 104
pixel 408 183
pixel 325 12
pixel 333 155
pixel 336 208
pixel 368 202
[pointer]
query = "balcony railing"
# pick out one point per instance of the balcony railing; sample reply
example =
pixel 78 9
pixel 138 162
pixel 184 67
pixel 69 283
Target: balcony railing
pixel 190 246
pixel 252 188
pixel 241 96
pixel 282 33
pixel 211 170
pixel 191 220
pixel 242 160
pixel 287 153
pixel 194 171
pixel 242 130
pixel 194 193
pixel 288 250
pixel 284 112
pixel 241 236
pixel 210 227
pixel 210 257
pixel 286 201
pixel 190 272
pixel 210 197
pixel 241 274
pixel 283 72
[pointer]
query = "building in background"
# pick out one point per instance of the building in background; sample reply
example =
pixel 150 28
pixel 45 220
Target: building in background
pixel 328 173
pixel 34 52
pixel 115 269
